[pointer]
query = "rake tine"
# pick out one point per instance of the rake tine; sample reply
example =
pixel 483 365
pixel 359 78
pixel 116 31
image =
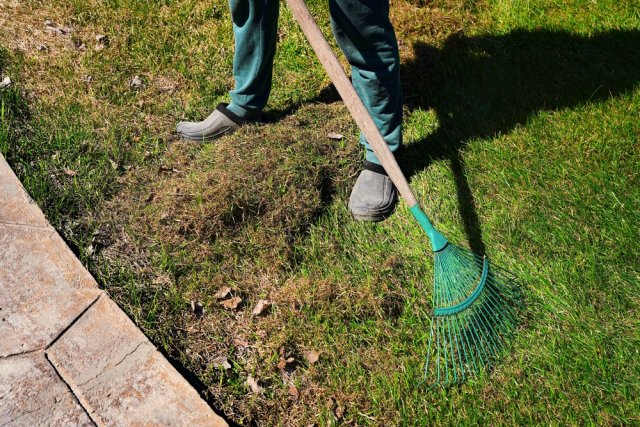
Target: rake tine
pixel 426 366
pixel 465 345
pixel 455 341
pixel 466 339
pixel 489 345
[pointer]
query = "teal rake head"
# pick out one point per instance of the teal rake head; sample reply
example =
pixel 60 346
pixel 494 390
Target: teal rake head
pixel 474 310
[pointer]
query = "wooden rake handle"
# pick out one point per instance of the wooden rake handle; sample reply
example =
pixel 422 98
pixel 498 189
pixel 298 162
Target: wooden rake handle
pixel 351 99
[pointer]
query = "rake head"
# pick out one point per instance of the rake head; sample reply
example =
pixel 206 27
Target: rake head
pixel 475 308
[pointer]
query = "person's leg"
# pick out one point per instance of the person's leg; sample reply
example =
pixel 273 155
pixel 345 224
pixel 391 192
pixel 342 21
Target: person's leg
pixel 255 32
pixel 366 36
pixel 255 29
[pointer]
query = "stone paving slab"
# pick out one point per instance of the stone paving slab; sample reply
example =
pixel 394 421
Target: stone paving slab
pixel 68 354
pixel 43 288
pixel 119 375
pixel 16 205
pixel 31 394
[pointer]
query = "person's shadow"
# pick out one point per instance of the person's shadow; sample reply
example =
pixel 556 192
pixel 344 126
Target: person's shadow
pixel 486 85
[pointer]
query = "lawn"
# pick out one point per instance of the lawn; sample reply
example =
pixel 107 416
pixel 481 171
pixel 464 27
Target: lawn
pixel 522 142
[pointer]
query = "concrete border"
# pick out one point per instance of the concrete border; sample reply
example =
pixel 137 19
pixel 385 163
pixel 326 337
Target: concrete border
pixel 68 354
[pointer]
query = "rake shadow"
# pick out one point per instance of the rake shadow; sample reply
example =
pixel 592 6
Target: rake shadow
pixel 483 86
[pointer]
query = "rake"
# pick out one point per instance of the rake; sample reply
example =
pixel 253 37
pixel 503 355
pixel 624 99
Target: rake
pixel 474 302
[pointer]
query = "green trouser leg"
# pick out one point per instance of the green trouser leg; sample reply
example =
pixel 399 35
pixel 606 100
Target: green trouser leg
pixel 255 26
pixel 366 36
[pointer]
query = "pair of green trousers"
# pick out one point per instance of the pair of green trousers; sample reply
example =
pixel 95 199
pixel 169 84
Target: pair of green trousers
pixel 365 35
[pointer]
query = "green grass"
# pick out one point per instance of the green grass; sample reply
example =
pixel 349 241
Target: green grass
pixel 522 142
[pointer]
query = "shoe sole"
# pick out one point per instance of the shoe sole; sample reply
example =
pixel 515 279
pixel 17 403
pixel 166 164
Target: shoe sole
pixel 205 138
pixel 371 217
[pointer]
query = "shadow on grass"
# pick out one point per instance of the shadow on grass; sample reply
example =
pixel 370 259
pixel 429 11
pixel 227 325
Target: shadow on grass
pixel 486 85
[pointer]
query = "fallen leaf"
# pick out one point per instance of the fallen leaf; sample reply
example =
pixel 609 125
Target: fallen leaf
pixel 335 136
pixel 114 165
pixel 293 391
pixel 43 48
pixel 221 362
pixel 253 384
pixel 231 303
pixel 312 356
pixel 239 342
pixel 222 292
pixel 70 172
pixel 6 82
pixel 284 362
pixel 262 305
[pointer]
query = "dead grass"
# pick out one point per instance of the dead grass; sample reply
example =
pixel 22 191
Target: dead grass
pixel 230 214
pixel 270 180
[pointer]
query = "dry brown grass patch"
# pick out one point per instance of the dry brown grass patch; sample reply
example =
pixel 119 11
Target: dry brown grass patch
pixel 428 22
pixel 229 214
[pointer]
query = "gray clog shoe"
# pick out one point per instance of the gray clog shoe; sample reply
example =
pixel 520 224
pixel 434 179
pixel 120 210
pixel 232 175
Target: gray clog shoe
pixel 374 197
pixel 220 122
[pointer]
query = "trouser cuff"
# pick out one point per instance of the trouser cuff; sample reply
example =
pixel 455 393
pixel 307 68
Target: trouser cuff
pixel 243 113
pixel 371 157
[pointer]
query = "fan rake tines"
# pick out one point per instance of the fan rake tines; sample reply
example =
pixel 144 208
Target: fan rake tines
pixel 474 315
